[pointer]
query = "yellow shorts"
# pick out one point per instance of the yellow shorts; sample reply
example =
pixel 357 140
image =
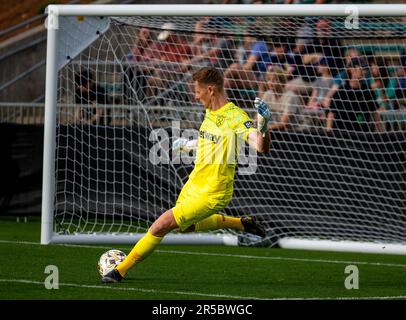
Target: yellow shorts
pixel 192 207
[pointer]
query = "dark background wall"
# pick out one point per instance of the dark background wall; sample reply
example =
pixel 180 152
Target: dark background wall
pixel 20 169
pixel 360 168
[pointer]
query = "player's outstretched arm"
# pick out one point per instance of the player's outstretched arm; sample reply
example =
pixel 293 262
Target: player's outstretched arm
pixel 261 140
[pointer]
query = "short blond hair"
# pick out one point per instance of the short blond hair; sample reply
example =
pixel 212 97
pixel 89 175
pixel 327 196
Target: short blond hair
pixel 209 76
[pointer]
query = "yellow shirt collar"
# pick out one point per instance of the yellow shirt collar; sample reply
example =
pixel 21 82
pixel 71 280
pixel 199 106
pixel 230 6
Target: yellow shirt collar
pixel 221 109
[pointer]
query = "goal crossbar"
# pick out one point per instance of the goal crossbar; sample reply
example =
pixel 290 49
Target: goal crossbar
pixel 228 10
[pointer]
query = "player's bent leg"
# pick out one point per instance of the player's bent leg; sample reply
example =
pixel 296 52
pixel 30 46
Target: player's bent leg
pixel 144 247
pixel 189 229
pixel 164 224
pixel 214 222
pixel 219 221
pixel 200 214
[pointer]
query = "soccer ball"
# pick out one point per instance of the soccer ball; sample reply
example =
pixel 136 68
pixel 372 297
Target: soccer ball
pixel 109 260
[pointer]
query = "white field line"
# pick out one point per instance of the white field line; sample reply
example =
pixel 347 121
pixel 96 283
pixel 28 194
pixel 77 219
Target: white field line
pixel 285 258
pixel 86 286
pixel 240 256
pixel 199 294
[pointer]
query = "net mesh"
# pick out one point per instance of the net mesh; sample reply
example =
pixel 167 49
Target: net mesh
pixel 336 169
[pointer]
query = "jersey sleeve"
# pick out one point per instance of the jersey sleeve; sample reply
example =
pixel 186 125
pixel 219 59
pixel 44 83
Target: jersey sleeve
pixel 244 125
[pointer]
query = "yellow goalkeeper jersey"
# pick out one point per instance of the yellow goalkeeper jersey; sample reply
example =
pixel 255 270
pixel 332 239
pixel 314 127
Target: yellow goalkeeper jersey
pixel 221 136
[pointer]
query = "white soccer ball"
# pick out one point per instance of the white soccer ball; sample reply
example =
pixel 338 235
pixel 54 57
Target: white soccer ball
pixel 109 260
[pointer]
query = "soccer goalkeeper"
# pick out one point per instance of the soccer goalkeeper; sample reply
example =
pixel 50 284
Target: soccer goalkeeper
pixel 210 185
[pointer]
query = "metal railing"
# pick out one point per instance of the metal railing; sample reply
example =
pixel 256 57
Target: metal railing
pixel 22 113
pixel 156 116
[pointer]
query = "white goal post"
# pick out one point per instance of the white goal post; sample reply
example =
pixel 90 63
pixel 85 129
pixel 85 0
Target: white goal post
pixel 337 189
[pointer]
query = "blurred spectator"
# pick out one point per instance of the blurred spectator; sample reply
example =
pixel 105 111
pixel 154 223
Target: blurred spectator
pixel 306 57
pixel 142 48
pixel 313 44
pixel 241 78
pixel 354 107
pixel 311 28
pixel 226 53
pixel 143 51
pixel 173 53
pixel 305 33
pixel 219 22
pixel 306 1
pixel 379 81
pixel 341 77
pixel 321 86
pixel 174 48
pixel 275 83
pixel 400 86
pixel 257 56
pixel 326 45
pixel 280 55
pixel 299 88
pixel 92 99
pixel 210 49
pixel 241 86
pixel 204 41
pixel 284 116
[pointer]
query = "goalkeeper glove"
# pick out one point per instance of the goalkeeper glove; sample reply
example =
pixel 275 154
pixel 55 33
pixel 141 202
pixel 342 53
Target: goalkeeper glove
pixel 263 116
pixel 183 145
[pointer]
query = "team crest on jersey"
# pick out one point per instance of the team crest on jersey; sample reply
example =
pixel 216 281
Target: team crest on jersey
pixel 219 121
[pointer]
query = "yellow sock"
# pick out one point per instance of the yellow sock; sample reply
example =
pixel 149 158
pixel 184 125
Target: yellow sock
pixel 209 223
pixel 141 250
pixel 229 222
pixel 218 221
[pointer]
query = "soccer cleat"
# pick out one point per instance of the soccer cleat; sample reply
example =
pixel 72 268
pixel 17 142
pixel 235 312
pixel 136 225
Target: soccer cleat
pixel 252 226
pixel 112 276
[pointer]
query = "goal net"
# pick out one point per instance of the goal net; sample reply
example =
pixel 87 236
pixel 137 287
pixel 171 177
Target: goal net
pixel 123 92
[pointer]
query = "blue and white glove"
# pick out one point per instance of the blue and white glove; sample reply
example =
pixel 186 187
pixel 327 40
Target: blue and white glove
pixel 182 145
pixel 264 115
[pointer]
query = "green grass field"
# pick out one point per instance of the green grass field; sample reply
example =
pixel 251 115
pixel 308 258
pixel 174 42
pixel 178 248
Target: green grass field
pixel 191 272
